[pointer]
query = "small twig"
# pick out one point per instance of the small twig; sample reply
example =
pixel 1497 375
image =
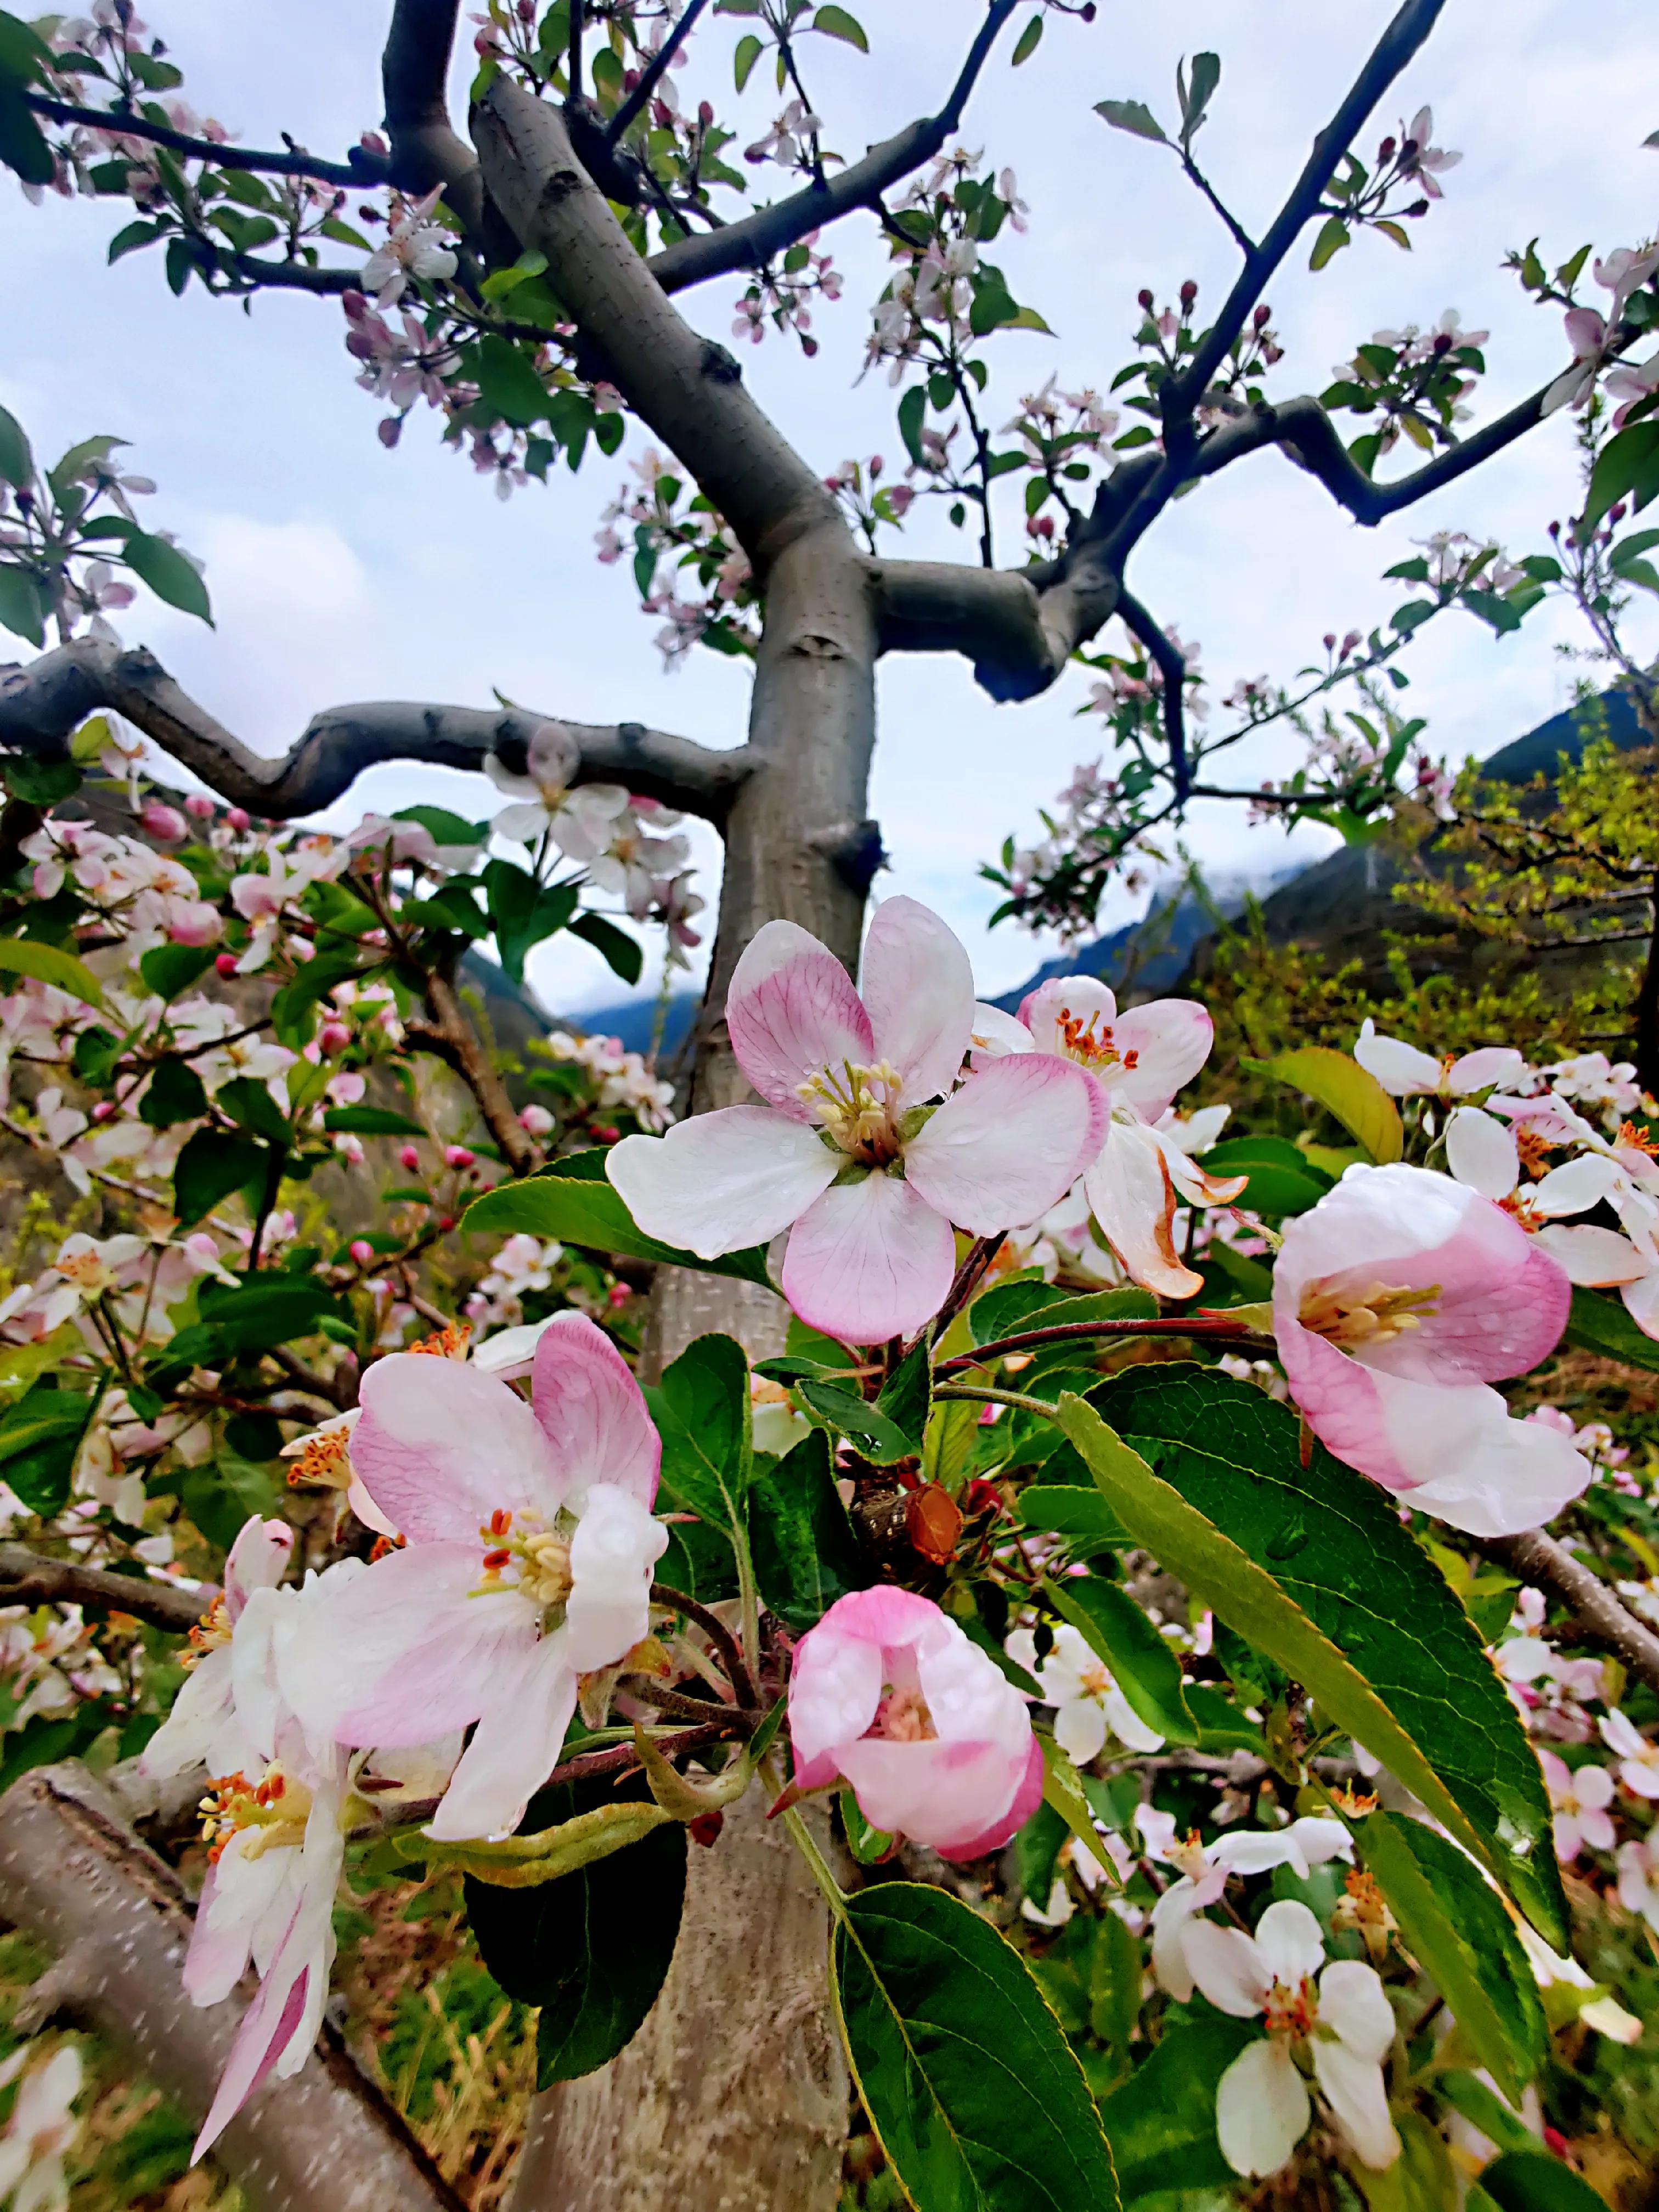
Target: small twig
pixel 719 1635
pixel 369 169
pixel 1537 1557
pixel 652 74
pixel 449 1035
pixel 1067 1332
pixel 28 1577
pixel 682 1708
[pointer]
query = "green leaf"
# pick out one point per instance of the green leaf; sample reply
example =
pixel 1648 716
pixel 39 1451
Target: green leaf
pixel 1161 2123
pixel 1029 40
pixel 1343 1088
pixel 16 462
pixel 212 1165
pixel 1062 1509
pixel 1333 237
pixel 446 828
pixel 174 1093
pixel 24 54
pixel 1310 1563
pixel 592 1949
pixel 1206 75
pixel 1062 1792
pixel 837 23
pixel 806 1555
pixel 571 1202
pixel 371 1122
pixel 1628 468
pixel 700 1561
pixel 40 782
pixel 22 146
pixel 262 1311
pixel 22 610
pixel 1457 1927
pixel 878 1438
pixel 868 1845
pixel 1533 2181
pixel 39 1436
pixel 1283 1180
pixel 48 964
pixel 1484 2109
pixel 170 968
pixel 508 384
pixel 624 955
pixel 749 52
pixel 1132 115
pixel 523 912
pixel 1602 1325
pixel 291 1008
pixel 701 1410
pixel 972 2089
pixel 907 1396
pixel 912 411
pixel 169 574
pixel 251 1107
pixel 1145 1669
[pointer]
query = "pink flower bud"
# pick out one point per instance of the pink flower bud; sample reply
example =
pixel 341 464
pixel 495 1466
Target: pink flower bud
pixel 457 1156
pixel 334 1036
pixel 362 1252
pixel 225 964
pixel 164 822
pixel 604 1134
pixel 410 1158
pixel 535 1120
pixel 200 806
pixel 951 1762
pixel 103 1111
pixel 236 819
pixel 617 1295
pixel 705 113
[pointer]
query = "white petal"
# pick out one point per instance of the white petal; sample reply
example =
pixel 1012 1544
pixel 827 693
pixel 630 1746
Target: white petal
pixel 995 1033
pixel 722 1181
pixel 1355 2091
pixel 611 1554
pixel 1131 1195
pixel 1591 1256
pixel 1576 1185
pixel 1009 1144
pixel 1171 1916
pixel 1288 1937
pixel 1399 1067
pixel 1081 1729
pixel 1261 2109
pixel 917 985
pixel 514 1747
pixel 1480 1151
pixel 1354 2005
pixel 1229 1967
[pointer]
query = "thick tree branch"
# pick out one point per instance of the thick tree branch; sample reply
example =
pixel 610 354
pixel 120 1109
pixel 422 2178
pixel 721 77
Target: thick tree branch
pixel 1538 1558
pixel 360 170
pixel 684 388
pixel 1396 48
pixel 43 701
pixel 753 241
pixel 1019 628
pixel 27 1578
pixel 1308 436
pixel 78 1881
pixel 426 148
pixel 1172 667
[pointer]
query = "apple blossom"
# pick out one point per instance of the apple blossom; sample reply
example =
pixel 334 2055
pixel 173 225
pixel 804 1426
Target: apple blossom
pixel 1262 2107
pixel 848 1153
pixel 1088 1703
pixel 40 2130
pixel 202 1727
pixel 1405 1073
pixel 414 247
pixel 1639 1880
pixel 1398 1299
pixel 1579 1798
pixel 1638 1759
pixel 1205 1869
pixel 887 1692
pixel 530 1544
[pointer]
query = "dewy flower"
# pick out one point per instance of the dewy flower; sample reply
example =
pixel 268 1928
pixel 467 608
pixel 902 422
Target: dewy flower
pixel 1398 1299
pixel 888 1693
pixel 1579 1800
pixel 1087 1702
pixel 202 1729
pixel 1638 1759
pixel 41 2128
pixel 1140 1059
pixel 1204 1870
pixel 849 1147
pixel 527 1564
pixel 1261 2107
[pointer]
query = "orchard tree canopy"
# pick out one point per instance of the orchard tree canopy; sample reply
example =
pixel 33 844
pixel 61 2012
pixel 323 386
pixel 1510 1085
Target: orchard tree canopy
pixel 1061 1558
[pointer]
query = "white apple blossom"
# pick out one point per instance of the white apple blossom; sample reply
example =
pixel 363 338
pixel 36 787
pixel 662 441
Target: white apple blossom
pixel 1088 1703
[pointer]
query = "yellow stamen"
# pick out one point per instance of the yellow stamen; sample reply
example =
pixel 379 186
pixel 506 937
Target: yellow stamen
pixel 857 1109
pixel 1370 1315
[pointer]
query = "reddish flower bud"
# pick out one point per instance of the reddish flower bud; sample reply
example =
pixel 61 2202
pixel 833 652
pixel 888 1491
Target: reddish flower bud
pixel 1145 300
pixel 409 1157
pixel 617 1296
pixel 199 805
pixel 1385 152
pixel 705 113
pixel 389 430
pixel 457 1156
pixel 877 464
pixel 1189 293
pixel 604 1134
pixel 706 1828
pixel 236 819
pixel 162 821
pixel 1616 514
pixel 445 1222
pixel 362 1252
pixel 1330 641
pixel 334 1036
pixel 1261 314
pixel 225 963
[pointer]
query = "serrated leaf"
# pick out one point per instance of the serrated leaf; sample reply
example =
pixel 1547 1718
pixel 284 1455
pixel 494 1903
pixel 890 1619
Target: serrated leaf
pixel 623 955
pixel 1344 1088
pixel 572 1203
pixel 1627 468
pixel 1062 1793
pixel 1134 116
pixel 371 1122
pixel 1028 41
pixel 1161 2123
pixel 49 963
pixel 1533 2181
pixel 1333 237
pixel 907 1396
pixel 1457 1927
pixel 1144 1667
pixel 261 1310
pixel 878 1438
pixel 16 462
pixel 970 2084
pixel 508 382
pixel 1602 1325
pixel 213 1164
pixel 1282 1180
pixel 1206 75
pixel 805 1553
pixel 1310 1563
pixel 837 23
pixel 701 1410
pixel 168 573
pixel 22 610
pixel 22 146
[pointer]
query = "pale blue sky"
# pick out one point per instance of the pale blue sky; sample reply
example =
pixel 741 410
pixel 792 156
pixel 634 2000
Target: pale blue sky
pixel 341 571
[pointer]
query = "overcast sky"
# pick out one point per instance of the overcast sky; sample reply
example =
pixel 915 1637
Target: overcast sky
pixel 341 571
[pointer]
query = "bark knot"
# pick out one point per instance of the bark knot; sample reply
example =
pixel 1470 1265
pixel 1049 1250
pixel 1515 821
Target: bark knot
pixel 720 366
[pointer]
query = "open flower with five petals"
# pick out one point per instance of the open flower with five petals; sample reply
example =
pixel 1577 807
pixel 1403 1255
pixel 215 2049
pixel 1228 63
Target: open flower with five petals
pixel 1088 1703
pixel 1398 1300
pixel 202 1727
pixel 529 1546
pixel 867 1149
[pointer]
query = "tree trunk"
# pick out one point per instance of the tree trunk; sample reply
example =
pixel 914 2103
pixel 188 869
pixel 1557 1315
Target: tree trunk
pixel 733 2098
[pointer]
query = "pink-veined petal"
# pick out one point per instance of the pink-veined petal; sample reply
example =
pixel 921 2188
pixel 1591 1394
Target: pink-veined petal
pixel 592 1411
pixel 870 1260
pixel 917 985
pixel 514 1747
pixel 1354 2089
pixel 440 1446
pixel 1400 1068
pixel 1642 1303
pixel 791 1011
pixel 1009 1144
pixel 1083 1001
pixel 1027 1797
pixel 1288 1937
pixel 1132 1194
pixel 722 1181
pixel 1170 1040
pixel 261 2038
pixel 1480 1151
pixel 1261 2109
pixel 1485 1069
pixel 1228 1967
pixel 257 1560
pixel 995 1033
pixel 1484 1473
pixel 936 1792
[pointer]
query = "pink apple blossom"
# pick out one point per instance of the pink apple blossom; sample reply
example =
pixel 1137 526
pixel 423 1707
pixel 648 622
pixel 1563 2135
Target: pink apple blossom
pixel 888 1693
pixel 1579 1800
pixel 201 1728
pixel 530 1545
pixel 1405 1073
pixel 849 1147
pixel 1398 1299
pixel 1639 1758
